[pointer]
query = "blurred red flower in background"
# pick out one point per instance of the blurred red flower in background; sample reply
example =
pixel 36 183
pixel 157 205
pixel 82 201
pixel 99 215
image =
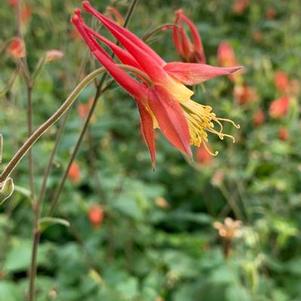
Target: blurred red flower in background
pixel 16 48
pixel 226 55
pixel 239 6
pixel 25 14
pixel 258 118
pixel 283 134
pixel 203 156
pixel 281 81
pixel 74 173
pixel 226 58
pixel 83 109
pixel 191 51
pixel 279 107
pixel 270 13
pixel 96 215
pixel 13 2
pixel 244 94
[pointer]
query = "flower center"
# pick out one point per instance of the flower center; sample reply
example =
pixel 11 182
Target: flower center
pixel 202 120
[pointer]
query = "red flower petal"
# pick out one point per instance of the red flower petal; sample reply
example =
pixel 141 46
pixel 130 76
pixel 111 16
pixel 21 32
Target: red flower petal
pixel 197 42
pixel 129 35
pixel 143 56
pixel 136 89
pixel 171 119
pixel 122 54
pixel 147 131
pixel 191 73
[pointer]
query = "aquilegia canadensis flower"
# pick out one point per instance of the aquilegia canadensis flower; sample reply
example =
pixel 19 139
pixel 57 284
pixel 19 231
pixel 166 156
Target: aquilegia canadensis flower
pixel 158 88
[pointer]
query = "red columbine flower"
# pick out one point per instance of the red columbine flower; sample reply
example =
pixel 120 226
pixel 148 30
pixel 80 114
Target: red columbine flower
pixel 96 215
pixel 160 93
pixel 191 51
pixel 16 48
pixel 279 107
pixel 74 173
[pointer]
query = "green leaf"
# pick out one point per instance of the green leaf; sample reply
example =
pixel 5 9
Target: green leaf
pixel 6 190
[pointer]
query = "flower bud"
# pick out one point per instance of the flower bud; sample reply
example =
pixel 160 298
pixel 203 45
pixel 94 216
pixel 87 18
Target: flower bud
pixel 74 173
pixel 96 215
pixel 16 48
pixel 54 55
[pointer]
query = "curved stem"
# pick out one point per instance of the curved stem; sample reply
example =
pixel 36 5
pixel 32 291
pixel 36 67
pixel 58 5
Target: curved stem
pixel 156 30
pixel 32 139
pixel 48 123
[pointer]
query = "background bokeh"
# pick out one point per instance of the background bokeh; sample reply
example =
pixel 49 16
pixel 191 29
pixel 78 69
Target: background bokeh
pixel 138 234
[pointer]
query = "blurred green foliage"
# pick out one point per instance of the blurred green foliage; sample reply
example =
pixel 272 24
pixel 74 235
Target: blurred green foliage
pixel 157 241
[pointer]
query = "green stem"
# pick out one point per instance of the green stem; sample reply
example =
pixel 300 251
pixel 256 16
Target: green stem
pixel 99 87
pixel 48 123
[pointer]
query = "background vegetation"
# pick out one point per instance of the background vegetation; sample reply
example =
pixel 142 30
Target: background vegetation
pixel 139 234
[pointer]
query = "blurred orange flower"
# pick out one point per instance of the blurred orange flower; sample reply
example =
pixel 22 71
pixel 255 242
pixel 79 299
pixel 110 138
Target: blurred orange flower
pixel 162 203
pixel 74 173
pixel 258 118
pixel 203 156
pixel 226 58
pixel 13 2
pixel 279 107
pixel 281 81
pixel 25 14
pixel 16 48
pixel 190 50
pixel 270 13
pixel 283 134
pixel 84 108
pixel 225 55
pixel 96 215
pixel 239 6
pixel 244 94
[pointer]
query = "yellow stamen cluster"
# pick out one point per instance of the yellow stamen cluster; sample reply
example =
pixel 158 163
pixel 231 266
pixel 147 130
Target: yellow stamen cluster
pixel 201 120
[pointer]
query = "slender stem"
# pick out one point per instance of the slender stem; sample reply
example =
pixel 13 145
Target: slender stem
pixel 99 87
pixel 34 253
pixel 29 129
pixel 47 124
pixel 51 158
pixel 37 204
pixel 156 30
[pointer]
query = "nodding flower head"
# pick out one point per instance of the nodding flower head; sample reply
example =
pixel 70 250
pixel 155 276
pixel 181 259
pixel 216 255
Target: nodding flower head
pixel 158 88
pixel 190 49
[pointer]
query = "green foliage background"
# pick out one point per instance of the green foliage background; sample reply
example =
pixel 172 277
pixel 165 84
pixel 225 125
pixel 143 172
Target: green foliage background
pixel 143 251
